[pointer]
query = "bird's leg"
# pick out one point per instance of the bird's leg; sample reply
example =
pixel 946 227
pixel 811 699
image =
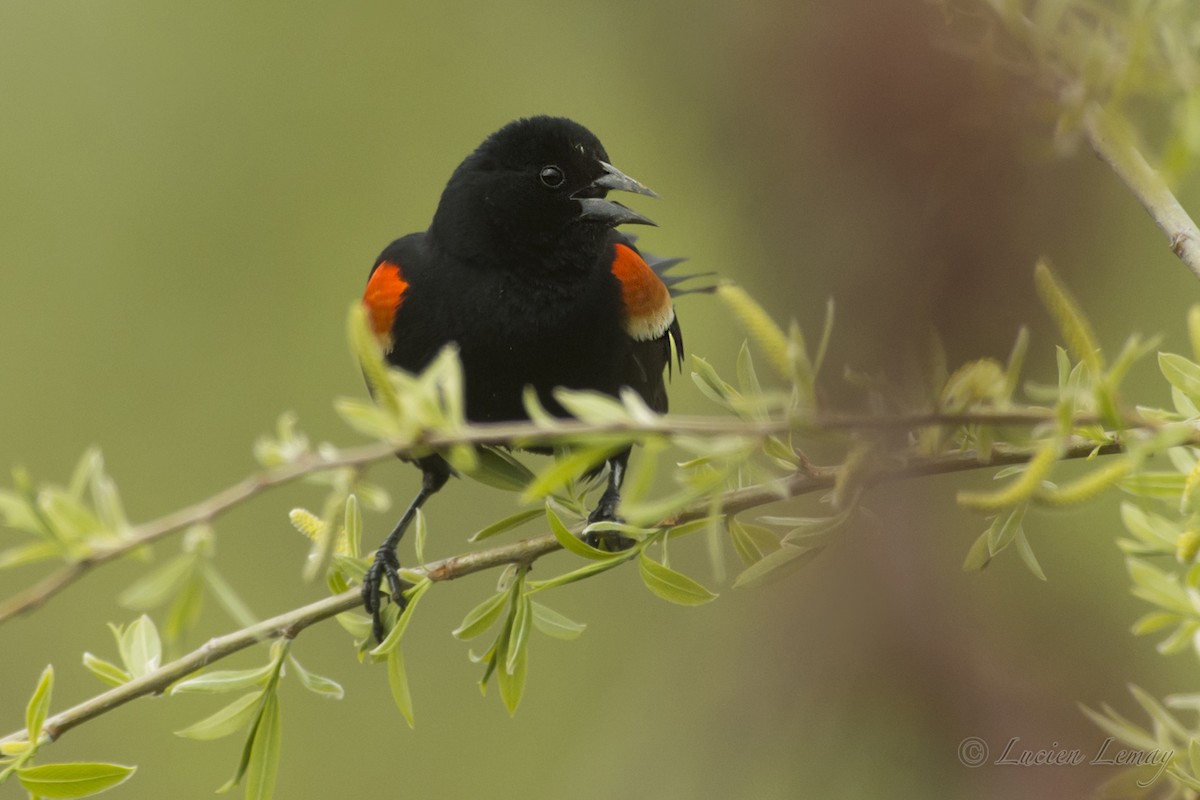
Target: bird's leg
pixel 387 564
pixel 606 509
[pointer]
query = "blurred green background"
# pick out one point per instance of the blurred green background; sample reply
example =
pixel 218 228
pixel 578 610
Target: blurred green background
pixel 191 195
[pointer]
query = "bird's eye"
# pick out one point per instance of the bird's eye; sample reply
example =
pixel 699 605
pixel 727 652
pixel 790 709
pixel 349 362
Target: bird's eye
pixel 551 176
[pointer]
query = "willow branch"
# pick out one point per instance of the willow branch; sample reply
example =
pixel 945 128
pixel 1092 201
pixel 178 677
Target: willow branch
pixel 526 551
pixel 207 510
pixel 1114 143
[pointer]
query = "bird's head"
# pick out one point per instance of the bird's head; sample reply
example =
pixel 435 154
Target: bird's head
pixel 538 183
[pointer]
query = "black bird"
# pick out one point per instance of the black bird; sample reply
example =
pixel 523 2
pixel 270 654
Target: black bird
pixel 523 269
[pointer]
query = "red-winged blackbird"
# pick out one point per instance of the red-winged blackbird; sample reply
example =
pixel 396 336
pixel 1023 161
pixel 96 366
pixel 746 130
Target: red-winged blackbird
pixel 522 267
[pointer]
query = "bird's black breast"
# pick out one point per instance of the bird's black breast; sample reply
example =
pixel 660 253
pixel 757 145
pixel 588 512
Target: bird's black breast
pixel 513 326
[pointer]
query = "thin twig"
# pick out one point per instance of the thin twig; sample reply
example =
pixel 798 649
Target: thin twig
pixel 1114 143
pixel 526 551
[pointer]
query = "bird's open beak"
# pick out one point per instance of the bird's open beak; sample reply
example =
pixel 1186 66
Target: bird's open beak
pixel 611 212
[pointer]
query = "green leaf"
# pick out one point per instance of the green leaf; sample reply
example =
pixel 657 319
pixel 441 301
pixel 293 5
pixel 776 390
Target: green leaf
pixel 462 458
pixel 39 704
pixel 586 571
pixel 537 412
pixel 711 385
pixel 225 680
pixel 141 648
pixel 568 468
pixel 499 469
pixel 1193 323
pixel 752 542
pixel 90 462
pixel 691 526
pixel 157 586
pixel 512 681
pixel 781 453
pixel 228 720
pixel 572 543
pixel 318 684
pixel 518 637
pixel 1182 373
pixel 263 767
pixel 1158 587
pixel 623 528
pixel 186 608
pixel 651 512
pixel 1134 350
pixel 1113 723
pixel 1158 485
pixel 1183 405
pixel 61 781
pixel 773 566
pixel 552 623
pixel 352 523
pixel 370 357
pixel 1182 639
pixel 1154 622
pixel 482 616
pixel 17 512
pixel 10 749
pixel 355 568
pixel 105 671
pixel 392 639
pixel 226 596
pixel 369 420
pixel 1158 713
pixel 69 519
pixel 398 681
pixel 107 502
pixel 507 524
pixel 488 659
pixel 980 553
pixel 1016 362
pixel 1026 553
pixel 671 585
pixel 826 335
pixel 636 407
pixel 748 381
pixel 421 534
pixel 591 406
pixel 28 553
pixel 1151 528
pixel 1005 529
pixel 357 625
pixel 805 529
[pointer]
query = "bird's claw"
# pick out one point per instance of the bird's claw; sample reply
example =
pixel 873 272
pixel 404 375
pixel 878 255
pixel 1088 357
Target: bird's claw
pixel 611 541
pixel 385 566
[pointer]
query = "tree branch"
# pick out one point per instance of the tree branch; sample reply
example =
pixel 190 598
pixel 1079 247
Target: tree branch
pixel 526 551
pixel 1114 143
pixel 207 510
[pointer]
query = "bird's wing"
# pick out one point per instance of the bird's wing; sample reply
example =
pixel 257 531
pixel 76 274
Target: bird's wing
pixel 383 297
pixel 649 321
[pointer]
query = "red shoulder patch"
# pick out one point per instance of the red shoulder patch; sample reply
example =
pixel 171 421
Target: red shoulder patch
pixel 648 308
pixel 383 297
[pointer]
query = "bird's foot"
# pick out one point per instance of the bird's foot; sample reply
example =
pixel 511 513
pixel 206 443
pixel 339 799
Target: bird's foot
pixel 612 541
pixel 386 565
